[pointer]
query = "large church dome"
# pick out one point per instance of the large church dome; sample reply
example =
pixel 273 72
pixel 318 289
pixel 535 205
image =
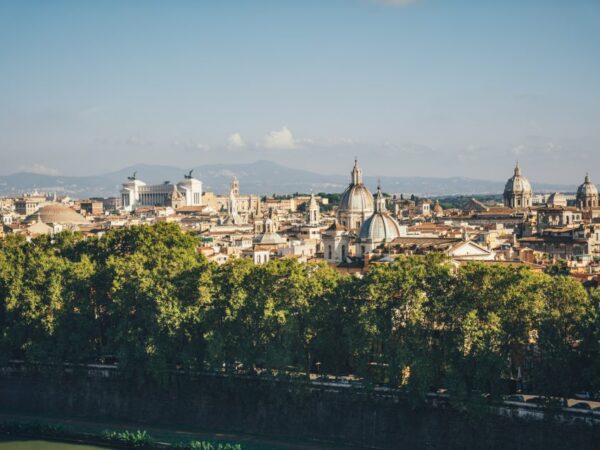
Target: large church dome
pixel 356 198
pixel 57 214
pixel 587 194
pixel 587 188
pixel 381 226
pixel 517 191
pixel 356 202
pixel 518 184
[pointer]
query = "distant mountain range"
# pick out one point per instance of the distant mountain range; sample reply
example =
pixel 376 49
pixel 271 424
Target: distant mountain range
pixel 260 177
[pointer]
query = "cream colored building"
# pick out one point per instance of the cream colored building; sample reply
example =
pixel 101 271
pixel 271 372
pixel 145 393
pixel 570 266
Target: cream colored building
pixel 135 193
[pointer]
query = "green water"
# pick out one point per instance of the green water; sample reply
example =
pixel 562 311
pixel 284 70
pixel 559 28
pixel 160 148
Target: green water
pixel 44 445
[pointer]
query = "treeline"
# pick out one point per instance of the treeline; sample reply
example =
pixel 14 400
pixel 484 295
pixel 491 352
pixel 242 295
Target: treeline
pixel 460 201
pixel 145 296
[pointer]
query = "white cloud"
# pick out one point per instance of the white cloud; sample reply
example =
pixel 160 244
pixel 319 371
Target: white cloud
pixel 39 169
pixel 280 140
pixel 235 141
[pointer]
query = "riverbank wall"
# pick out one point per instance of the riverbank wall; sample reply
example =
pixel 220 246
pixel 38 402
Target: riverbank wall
pixel 284 408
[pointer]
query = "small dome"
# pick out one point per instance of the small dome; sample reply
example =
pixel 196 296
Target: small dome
pixel 56 213
pixel 356 198
pixel 517 184
pixel 587 189
pixel 381 226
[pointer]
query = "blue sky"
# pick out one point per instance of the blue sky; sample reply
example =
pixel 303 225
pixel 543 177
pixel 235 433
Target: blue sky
pixel 423 87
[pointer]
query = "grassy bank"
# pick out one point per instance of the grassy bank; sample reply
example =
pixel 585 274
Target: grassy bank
pixel 76 431
pixel 126 439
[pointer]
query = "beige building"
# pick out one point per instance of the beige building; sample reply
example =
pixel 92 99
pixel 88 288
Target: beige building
pixel 29 204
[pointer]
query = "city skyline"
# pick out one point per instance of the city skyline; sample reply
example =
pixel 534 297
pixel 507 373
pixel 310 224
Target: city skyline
pixel 234 224
pixel 412 88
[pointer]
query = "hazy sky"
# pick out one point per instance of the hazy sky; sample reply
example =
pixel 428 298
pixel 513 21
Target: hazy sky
pixel 423 87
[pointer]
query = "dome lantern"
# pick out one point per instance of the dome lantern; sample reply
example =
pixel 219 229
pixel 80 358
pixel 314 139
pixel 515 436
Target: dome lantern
pixel 380 200
pixel 356 173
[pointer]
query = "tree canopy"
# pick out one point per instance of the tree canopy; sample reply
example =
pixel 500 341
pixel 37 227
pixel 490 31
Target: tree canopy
pixel 144 297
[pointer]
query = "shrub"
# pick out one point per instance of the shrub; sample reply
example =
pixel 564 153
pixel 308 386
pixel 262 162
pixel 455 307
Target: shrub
pixel 134 439
pixel 206 445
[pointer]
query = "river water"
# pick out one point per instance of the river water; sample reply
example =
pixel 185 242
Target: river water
pixel 44 445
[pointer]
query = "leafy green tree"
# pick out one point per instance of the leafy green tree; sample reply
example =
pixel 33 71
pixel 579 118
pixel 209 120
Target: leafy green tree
pixel 145 295
pixel 394 316
pixel 224 315
pixel 160 288
pixel 565 318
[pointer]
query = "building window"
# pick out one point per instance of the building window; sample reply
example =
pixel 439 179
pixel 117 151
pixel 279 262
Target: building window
pixel 329 253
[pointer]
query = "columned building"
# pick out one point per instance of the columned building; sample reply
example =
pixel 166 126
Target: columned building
pixel 517 192
pixel 136 193
pixel 587 195
pixel 356 203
